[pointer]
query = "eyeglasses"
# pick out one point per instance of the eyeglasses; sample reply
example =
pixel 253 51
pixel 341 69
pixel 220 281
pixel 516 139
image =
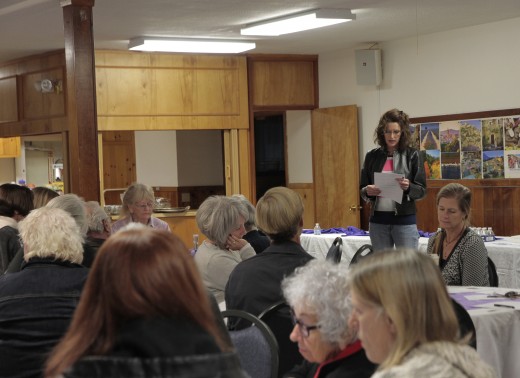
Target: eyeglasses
pixel 303 328
pixel 144 206
pixel 394 132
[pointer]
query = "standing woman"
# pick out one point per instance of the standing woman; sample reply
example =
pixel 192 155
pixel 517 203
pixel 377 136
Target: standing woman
pixel 393 223
pixel 138 203
pixel 462 253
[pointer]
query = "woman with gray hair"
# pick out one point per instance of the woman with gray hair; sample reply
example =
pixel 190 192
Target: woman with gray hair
pixel 321 308
pixel 221 219
pixel 258 240
pixel 138 204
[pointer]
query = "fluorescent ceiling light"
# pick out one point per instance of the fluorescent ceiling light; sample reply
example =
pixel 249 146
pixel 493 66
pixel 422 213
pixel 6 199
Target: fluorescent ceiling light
pixel 298 22
pixel 190 45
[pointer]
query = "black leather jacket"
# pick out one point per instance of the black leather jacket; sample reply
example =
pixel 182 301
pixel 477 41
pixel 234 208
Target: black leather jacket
pixel 219 365
pixel 408 163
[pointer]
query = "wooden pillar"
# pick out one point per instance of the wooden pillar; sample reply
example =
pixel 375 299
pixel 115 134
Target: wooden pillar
pixel 83 163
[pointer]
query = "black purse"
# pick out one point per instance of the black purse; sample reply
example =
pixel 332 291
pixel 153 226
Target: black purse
pixel 335 251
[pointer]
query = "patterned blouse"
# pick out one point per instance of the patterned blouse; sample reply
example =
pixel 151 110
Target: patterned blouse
pixel 467 264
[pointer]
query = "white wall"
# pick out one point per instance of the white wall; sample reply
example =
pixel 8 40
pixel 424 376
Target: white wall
pixel 7 172
pixel 465 70
pixel 156 158
pixel 299 146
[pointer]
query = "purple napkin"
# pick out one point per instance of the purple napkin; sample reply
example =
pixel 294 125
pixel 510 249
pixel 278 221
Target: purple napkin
pixel 349 231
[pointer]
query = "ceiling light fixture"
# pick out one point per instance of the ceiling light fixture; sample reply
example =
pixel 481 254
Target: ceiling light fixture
pixel 298 22
pixel 188 45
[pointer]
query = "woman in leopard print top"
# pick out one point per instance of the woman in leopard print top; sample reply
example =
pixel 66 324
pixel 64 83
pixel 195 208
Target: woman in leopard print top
pixel 462 253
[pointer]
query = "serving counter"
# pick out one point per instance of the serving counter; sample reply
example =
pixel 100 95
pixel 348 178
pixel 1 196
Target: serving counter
pixel 182 224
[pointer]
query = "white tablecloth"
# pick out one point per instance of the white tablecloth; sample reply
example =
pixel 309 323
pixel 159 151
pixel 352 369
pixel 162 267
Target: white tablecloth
pixel 497 329
pixel 505 253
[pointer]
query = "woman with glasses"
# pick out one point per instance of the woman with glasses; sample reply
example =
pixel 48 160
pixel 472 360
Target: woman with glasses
pixel 321 308
pixel 393 222
pixel 138 203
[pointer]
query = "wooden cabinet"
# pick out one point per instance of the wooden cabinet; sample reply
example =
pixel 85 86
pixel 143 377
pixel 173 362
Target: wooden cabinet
pixel 9 147
pixel 283 81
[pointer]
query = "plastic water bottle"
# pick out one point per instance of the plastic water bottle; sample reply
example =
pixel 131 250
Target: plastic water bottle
pixel 490 234
pixel 317 229
pixel 195 244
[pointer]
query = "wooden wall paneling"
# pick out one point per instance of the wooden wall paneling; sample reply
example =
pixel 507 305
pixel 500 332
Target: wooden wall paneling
pixel 492 205
pixel 244 153
pixel 9 103
pixel 119 165
pixel 290 83
pixel 169 192
pixel 306 191
pixel 38 104
pixel 170 91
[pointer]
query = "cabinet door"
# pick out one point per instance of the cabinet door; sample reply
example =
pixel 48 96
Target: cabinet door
pixel 9 147
pixel 118 163
pixel 335 161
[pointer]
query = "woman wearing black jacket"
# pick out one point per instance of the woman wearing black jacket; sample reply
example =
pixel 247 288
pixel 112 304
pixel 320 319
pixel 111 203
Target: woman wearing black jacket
pixel 393 223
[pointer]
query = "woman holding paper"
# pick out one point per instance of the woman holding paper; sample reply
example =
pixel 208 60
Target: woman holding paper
pixel 392 219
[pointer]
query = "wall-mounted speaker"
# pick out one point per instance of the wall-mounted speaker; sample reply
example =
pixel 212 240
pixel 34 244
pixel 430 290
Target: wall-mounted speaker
pixel 368 67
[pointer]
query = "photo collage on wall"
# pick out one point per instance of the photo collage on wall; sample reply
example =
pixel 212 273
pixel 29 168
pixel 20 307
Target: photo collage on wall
pixel 471 149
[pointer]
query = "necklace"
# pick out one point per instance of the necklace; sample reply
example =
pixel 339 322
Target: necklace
pixel 448 243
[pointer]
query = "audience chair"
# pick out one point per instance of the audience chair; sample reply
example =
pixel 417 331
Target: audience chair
pixel 256 346
pixel 466 325
pixel 493 275
pixel 335 251
pixel 362 252
pixel 278 318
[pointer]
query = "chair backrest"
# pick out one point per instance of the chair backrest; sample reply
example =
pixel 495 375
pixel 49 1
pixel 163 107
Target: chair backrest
pixel 256 346
pixel 466 325
pixel 335 251
pixel 362 251
pixel 278 317
pixel 493 275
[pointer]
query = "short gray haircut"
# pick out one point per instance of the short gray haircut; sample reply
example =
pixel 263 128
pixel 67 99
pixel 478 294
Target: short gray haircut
pixel 73 205
pixel 322 288
pixel 95 216
pixel 51 232
pixel 217 216
pixel 250 223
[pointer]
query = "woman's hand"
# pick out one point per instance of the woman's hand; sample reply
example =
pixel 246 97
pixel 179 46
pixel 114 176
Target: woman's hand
pixel 404 183
pixel 235 244
pixel 372 190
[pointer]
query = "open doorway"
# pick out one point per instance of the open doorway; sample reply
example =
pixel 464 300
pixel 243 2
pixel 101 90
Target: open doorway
pixel 269 151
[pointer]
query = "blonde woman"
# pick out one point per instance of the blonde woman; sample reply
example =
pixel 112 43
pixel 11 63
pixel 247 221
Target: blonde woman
pixel 138 203
pixel 406 321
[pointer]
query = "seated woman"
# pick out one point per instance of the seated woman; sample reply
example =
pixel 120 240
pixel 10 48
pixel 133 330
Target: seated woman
pixel 318 296
pixel 406 320
pixel 221 219
pixel 258 240
pixel 143 314
pixel 138 203
pixel 462 253
pixel 37 303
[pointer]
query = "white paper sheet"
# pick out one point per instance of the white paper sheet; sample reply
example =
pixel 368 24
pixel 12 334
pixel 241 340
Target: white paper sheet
pixel 388 185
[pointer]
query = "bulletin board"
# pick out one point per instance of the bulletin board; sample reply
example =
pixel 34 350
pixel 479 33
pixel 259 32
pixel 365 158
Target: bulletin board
pixel 483 145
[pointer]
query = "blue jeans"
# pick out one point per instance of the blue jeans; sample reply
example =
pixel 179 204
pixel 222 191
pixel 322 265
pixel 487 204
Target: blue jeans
pixel 387 235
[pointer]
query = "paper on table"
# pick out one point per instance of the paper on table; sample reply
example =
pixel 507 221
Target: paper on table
pixel 388 185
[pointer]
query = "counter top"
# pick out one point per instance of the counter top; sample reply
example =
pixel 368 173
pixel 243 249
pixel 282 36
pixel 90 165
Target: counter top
pixel 189 213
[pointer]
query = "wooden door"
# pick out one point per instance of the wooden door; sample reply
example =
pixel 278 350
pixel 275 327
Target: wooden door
pixel 335 161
